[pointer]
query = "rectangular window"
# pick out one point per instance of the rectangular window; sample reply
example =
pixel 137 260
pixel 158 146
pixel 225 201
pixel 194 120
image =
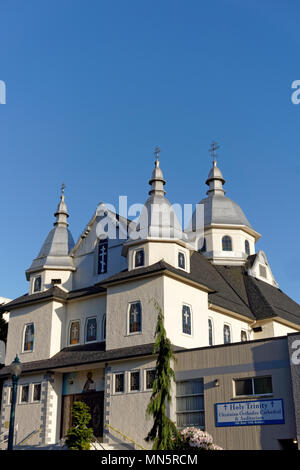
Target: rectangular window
pixel 135 318
pixel 119 383
pixel 36 392
pixel 75 332
pixel 134 381
pixel 150 376
pixel 253 386
pixel 24 393
pixel 190 403
pixel 91 329
pixel 139 258
pixel 186 320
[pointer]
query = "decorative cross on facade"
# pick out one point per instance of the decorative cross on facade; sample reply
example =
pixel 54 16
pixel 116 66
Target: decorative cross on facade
pixel 214 146
pixel 186 316
pixel 102 258
pixel 135 314
pixel 74 331
pixel 92 329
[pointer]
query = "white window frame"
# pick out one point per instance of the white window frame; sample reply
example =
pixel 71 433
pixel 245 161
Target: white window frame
pixel 129 381
pixel 134 255
pixel 128 319
pixel 32 393
pixel 20 397
pixel 245 331
pixel 145 379
pixel 188 335
pixel 185 261
pixel 213 331
pixel 102 327
pixel 69 333
pixel 230 330
pixel 33 283
pixel 253 389
pixel 121 372
pixel 85 330
pixel 23 338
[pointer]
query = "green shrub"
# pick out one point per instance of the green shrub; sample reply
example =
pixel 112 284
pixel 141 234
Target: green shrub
pixel 80 435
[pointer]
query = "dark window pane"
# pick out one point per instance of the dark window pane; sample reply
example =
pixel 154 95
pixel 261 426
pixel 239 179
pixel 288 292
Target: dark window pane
pixel 243 387
pixel 247 247
pixel 36 392
pixel 244 335
pixel 91 329
pixel 262 385
pixel 227 334
pixel 210 332
pixel 135 318
pixel 226 243
pixel 37 284
pixel 181 260
pixel 29 337
pixel 135 381
pixel 150 376
pixel 24 393
pixel 119 383
pixel 186 320
pixel 139 258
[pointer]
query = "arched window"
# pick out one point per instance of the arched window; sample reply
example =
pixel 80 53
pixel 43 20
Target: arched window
pixel 135 317
pixel 186 320
pixel 181 260
pixel 75 332
pixel 102 256
pixel 227 334
pixel 210 332
pixel 28 337
pixel 91 329
pixel 104 327
pixel 139 258
pixel 37 284
pixel 247 247
pixel 226 243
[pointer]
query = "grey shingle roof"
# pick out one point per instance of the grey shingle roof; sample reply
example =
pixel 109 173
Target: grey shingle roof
pixel 86 354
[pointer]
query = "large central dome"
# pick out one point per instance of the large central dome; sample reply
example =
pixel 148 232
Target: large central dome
pixel 219 209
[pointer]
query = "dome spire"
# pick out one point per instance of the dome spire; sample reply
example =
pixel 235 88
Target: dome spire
pixel 62 212
pixel 157 181
pixel 215 178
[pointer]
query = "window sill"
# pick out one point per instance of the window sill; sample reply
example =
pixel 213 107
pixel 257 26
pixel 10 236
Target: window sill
pixel 253 397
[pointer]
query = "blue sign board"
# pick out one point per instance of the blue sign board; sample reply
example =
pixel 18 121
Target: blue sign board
pixel 249 413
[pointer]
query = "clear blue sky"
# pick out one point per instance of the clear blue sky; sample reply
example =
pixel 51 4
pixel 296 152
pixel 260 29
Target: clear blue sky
pixel 93 86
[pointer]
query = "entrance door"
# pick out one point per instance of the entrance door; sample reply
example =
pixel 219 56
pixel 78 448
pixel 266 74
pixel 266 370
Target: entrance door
pixel 95 401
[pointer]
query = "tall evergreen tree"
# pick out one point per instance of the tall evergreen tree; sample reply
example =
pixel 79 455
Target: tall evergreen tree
pixel 163 432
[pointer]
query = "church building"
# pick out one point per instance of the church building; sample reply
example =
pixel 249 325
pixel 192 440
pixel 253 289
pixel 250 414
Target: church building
pixel 86 327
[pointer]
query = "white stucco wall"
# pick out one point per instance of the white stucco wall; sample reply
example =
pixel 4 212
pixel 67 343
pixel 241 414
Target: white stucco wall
pixel 156 251
pixel 214 250
pixel 118 299
pixel 81 310
pixel 47 327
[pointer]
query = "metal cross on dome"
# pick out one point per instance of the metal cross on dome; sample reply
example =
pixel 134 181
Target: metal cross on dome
pixel 63 186
pixel 213 147
pixel 157 152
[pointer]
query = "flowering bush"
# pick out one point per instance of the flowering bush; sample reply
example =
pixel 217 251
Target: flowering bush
pixel 193 437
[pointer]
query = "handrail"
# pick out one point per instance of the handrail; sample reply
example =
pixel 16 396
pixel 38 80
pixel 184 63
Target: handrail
pixel 28 437
pixel 124 436
pixel 98 442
